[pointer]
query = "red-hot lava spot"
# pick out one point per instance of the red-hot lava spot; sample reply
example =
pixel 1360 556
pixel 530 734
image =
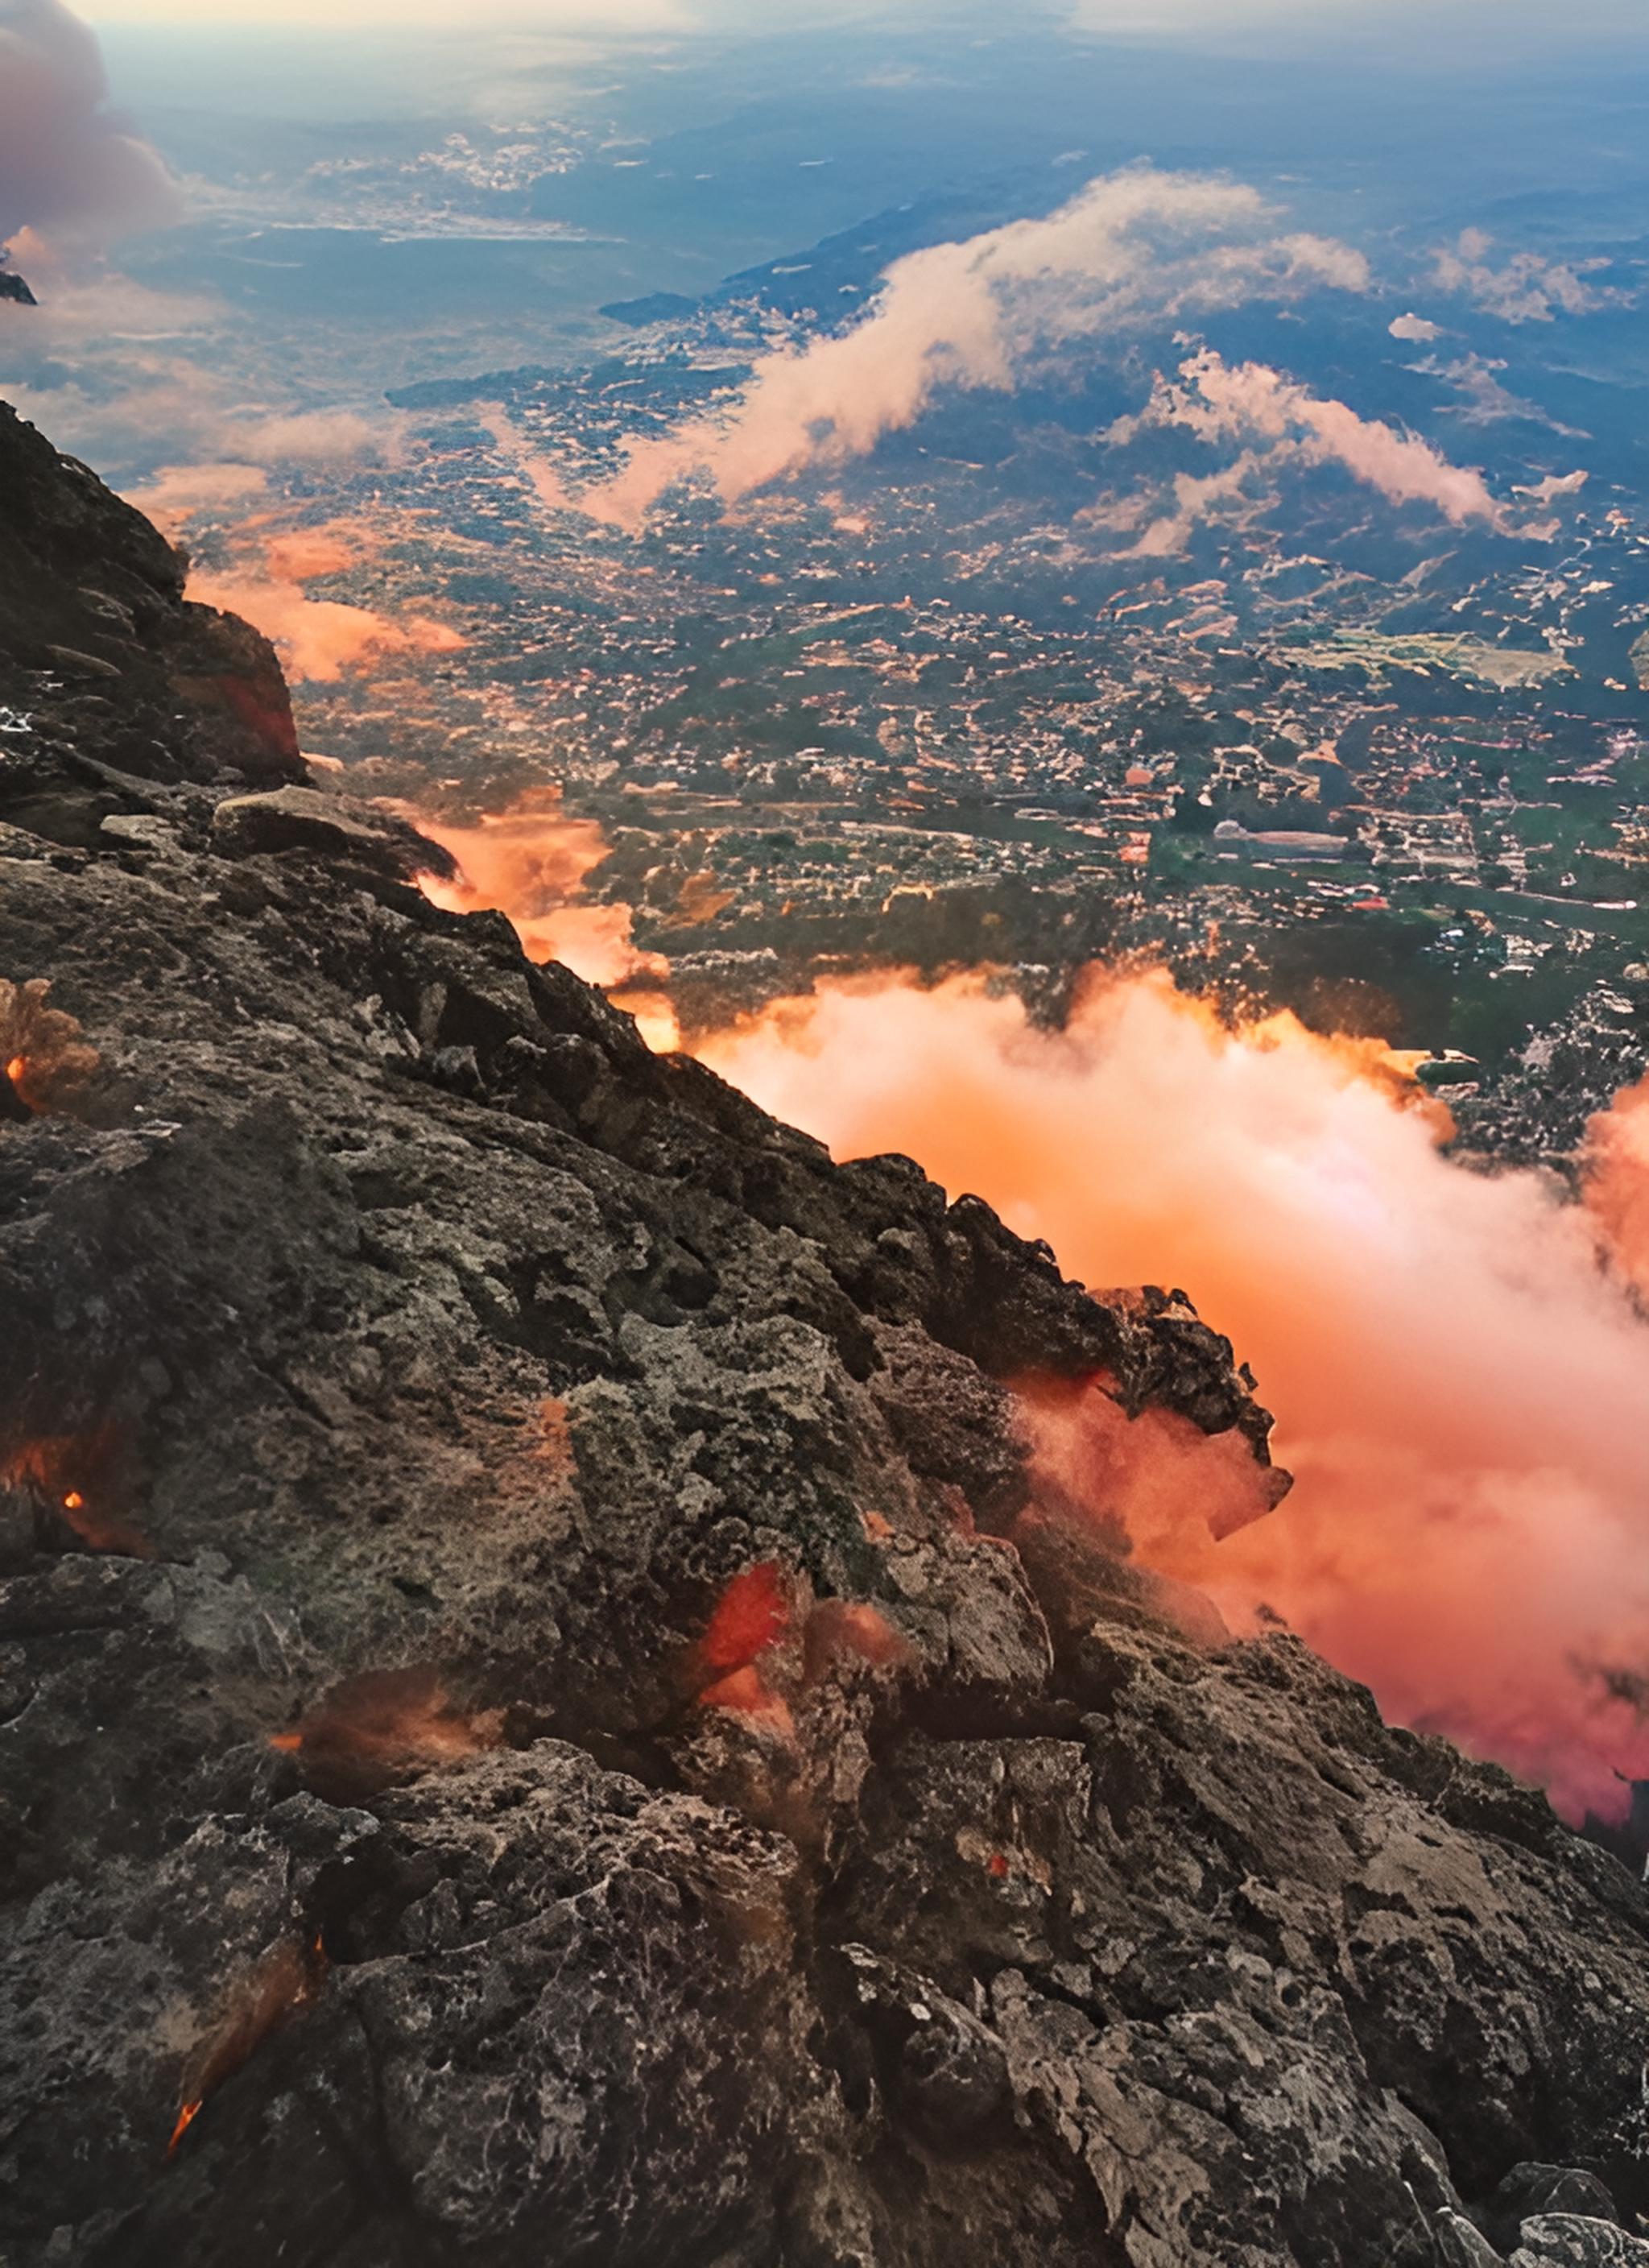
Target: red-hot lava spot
pixel 382 1726
pixel 746 1693
pixel 998 1868
pixel 877 1530
pixel 285 1979
pixel 186 2118
pixel 752 1613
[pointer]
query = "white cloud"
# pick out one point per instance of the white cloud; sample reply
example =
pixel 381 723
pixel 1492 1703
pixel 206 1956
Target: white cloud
pixel 1525 288
pixel 1251 402
pixel 1414 330
pixel 1131 249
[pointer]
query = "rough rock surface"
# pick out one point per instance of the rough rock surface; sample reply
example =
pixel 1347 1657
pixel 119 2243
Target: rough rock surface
pixel 543 1718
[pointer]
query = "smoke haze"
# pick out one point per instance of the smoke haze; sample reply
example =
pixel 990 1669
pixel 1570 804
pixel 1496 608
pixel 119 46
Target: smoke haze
pixel 69 168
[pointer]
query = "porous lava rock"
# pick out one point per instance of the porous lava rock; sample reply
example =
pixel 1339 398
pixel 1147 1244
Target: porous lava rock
pixel 545 1715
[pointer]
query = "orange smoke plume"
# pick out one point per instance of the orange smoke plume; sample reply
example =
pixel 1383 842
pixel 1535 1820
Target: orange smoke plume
pixel 529 862
pixel 385 1725
pixel 1462 1389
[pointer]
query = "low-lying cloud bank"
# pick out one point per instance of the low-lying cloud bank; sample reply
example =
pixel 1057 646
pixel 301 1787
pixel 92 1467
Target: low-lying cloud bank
pixel 1462 1384
pixel 318 638
pixel 530 862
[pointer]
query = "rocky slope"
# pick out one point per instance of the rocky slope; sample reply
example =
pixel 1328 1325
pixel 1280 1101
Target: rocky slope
pixel 544 1716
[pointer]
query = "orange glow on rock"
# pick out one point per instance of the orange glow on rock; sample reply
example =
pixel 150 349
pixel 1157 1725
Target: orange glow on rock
pixel 285 1979
pixel 382 1726
pixel 751 1613
pixel 745 1693
pixel 847 1630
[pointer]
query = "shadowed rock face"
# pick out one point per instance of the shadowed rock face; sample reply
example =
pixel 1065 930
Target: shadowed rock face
pixel 99 648
pixel 542 1719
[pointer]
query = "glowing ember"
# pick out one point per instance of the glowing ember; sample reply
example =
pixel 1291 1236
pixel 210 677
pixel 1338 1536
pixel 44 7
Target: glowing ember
pixel 186 2118
pixel 79 1477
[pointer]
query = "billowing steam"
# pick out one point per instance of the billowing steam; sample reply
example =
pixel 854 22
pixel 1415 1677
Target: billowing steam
pixel 1617 1185
pixel 1462 1387
pixel 70 170
pixel 1133 247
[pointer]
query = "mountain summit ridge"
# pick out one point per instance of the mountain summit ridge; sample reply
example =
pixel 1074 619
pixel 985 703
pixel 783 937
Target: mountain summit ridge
pixel 546 1714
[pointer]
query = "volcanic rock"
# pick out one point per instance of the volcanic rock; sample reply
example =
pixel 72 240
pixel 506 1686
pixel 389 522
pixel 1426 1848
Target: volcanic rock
pixel 1563 2240
pixel 527 1733
pixel 1530 2189
pixel 102 658
pixel 337 827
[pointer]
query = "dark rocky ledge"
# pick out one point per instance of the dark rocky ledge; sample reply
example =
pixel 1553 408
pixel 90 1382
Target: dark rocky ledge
pixel 542 1719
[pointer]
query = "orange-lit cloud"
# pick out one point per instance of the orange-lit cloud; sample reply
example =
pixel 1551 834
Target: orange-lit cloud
pixel 530 862
pixel 181 493
pixel 1462 1391
pixel 318 639
pixel 1617 1180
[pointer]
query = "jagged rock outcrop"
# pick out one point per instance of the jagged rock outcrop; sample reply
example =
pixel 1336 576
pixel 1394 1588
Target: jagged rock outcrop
pixel 102 655
pixel 544 1715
